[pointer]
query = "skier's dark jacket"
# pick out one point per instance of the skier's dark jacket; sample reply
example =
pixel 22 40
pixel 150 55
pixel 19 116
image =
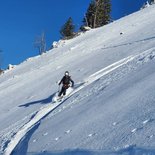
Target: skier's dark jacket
pixel 66 81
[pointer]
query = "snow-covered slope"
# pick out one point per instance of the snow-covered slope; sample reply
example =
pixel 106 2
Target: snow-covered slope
pixel 111 109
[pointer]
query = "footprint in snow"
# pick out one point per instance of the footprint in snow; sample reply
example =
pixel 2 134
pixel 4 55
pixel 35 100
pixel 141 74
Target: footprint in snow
pixel 151 136
pixel 129 146
pixel 59 110
pixel 57 138
pixel 68 131
pixel 58 67
pixel 63 107
pixel 136 129
pixel 115 123
pixel 91 134
pixel 34 140
pixel 30 97
pixel 147 121
pixel 45 134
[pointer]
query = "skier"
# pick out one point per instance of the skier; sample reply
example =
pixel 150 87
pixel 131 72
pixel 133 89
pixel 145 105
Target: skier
pixel 65 81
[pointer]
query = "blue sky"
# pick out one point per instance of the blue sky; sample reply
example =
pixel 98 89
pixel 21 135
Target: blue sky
pixel 21 21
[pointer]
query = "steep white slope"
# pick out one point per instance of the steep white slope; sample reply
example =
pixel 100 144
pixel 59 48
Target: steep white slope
pixel 113 108
pixel 113 113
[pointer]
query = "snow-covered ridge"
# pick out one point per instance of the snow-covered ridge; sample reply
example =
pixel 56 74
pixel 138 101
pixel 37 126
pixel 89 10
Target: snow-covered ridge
pixel 111 107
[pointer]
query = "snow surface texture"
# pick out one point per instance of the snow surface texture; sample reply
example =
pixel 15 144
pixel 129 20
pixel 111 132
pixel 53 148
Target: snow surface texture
pixel 112 107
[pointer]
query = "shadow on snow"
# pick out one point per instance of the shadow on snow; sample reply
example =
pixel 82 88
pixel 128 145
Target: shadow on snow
pixel 131 150
pixel 43 101
pixel 49 99
pixel 21 148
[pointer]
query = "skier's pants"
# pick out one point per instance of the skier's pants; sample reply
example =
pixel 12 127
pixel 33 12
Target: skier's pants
pixel 63 91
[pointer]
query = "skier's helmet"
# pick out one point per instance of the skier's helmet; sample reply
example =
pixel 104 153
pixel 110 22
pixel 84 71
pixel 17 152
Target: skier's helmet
pixel 67 73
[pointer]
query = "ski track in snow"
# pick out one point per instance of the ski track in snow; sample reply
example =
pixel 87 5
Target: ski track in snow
pixel 120 72
pixel 45 110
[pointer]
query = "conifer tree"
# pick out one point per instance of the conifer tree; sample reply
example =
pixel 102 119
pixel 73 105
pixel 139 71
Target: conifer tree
pixel 89 16
pixel 152 1
pixel 67 30
pixel 102 14
pixel 98 13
